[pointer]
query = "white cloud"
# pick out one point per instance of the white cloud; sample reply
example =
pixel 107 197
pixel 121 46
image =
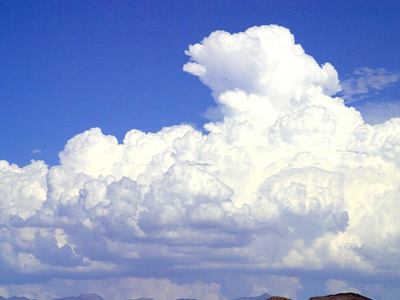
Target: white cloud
pixel 23 190
pixel 288 178
pixel 262 61
pixel 365 81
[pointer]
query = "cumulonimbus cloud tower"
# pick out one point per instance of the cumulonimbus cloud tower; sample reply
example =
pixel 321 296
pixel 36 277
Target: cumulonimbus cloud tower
pixel 284 177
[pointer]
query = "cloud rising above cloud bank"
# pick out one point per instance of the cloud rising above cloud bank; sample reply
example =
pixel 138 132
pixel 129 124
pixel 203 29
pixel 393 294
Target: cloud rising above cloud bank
pixel 284 181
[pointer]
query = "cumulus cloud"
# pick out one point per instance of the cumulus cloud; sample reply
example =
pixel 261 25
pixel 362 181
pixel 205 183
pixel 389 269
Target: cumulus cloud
pixel 287 180
pixel 262 61
pixel 365 81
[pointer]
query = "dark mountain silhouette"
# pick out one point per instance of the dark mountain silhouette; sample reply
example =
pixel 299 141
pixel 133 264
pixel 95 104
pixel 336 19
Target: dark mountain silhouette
pixel 278 298
pixel 341 296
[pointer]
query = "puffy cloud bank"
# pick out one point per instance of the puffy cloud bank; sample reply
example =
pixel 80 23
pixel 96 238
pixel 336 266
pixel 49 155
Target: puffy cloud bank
pixel 285 179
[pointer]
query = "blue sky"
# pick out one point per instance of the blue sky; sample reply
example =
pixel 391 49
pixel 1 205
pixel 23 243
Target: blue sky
pixel 67 66
pixel 289 187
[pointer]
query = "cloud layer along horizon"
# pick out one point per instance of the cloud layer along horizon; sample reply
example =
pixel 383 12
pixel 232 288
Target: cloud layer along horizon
pixel 285 183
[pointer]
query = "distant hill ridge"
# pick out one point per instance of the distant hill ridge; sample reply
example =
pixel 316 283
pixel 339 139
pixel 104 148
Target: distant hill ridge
pixel 92 296
pixel 341 296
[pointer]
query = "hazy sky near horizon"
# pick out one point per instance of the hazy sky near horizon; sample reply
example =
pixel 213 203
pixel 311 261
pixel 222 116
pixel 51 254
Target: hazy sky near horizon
pixel 208 149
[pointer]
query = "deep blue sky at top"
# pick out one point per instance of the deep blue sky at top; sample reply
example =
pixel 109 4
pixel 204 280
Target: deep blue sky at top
pixel 66 66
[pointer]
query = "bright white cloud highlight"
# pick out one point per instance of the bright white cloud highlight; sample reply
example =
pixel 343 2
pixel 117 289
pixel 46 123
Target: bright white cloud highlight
pixel 288 178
